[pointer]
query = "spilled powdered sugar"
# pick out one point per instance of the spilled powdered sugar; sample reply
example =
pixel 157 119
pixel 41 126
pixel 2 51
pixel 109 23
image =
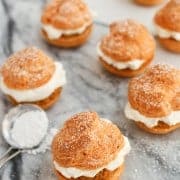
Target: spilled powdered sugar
pixel 168 158
pixel 46 144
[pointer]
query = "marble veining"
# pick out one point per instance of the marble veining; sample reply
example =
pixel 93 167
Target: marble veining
pixel 89 86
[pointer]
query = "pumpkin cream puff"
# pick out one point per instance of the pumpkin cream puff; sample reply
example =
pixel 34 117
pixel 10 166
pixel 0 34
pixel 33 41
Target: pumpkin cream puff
pixel 149 2
pixel 89 148
pixel 127 50
pixel 66 23
pixel 167 24
pixel 29 76
pixel 154 99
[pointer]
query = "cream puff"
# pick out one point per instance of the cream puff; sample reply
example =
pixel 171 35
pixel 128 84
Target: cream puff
pixel 167 24
pixel 89 148
pixel 66 23
pixel 149 2
pixel 30 76
pixel 154 99
pixel 127 50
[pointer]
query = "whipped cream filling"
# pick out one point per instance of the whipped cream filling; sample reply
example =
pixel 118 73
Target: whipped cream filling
pixel 165 33
pixel 171 119
pixel 58 80
pixel 133 64
pixel 72 172
pixel 55 33
pixel 75 172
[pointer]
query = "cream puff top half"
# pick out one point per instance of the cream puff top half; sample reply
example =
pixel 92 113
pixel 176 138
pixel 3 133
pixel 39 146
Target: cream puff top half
pixel 27 69
pixel 87 144
pixel 169 16
pixel 156 93
pixel 66 14
pixel 30 75
pixel 128 40
pixel 167 21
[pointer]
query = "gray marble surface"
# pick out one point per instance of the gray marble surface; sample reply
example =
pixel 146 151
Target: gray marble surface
pixel 89 87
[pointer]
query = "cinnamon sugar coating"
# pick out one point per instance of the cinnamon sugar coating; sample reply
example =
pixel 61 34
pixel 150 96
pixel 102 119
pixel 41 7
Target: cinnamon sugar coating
pixel 156 93
pixel 87 142
pixel 169 16
pixel 66 14
pixel 128 40
pixel 27 69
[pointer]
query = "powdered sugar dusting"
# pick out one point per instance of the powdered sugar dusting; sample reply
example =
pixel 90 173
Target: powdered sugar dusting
pixel 154 85
pixel 83 140
pixel 67 14
pixel 128 40
pixel 156 147
pixel 46 144
pixel 74 9
pixel 127 27
pixel 67 7
pixel 119 46
pixel 169 16
pixel 27 68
